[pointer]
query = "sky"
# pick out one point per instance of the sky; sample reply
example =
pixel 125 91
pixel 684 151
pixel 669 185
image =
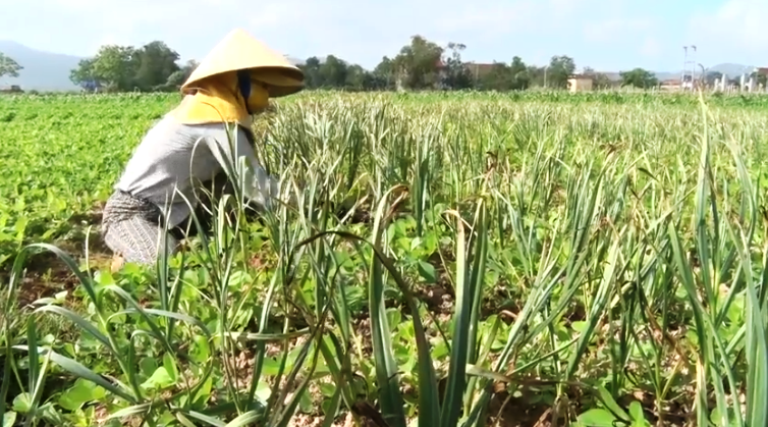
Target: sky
pixel 606 35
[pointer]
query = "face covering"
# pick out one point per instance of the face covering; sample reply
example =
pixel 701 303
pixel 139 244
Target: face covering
pixel 230 97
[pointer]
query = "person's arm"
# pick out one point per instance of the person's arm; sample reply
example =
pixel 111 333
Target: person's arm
pixel 257 185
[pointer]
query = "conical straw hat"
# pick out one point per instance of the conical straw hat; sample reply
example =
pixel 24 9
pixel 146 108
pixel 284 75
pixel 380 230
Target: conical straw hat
pixel 240 51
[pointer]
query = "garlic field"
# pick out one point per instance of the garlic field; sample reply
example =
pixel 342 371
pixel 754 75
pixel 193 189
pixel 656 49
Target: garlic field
pixel 532 259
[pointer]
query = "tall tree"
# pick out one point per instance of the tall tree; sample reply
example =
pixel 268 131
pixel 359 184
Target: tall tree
pixel 537 75
pixel 176 79
pixel 560 69
pixel 503 77
pixel 602 81
pixel 384 74
pixel 499 78
pixel 311 69
pixel 418 64
pixel 115 67
pixel 155 62
pixel 521 78
pixel 455 74
pixel 9 67
pixel 639 78
pixel 84 76
pixel 358 79
pixel 333 72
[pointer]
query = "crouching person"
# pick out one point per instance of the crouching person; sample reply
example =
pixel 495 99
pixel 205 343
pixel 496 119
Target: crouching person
pixel 189 148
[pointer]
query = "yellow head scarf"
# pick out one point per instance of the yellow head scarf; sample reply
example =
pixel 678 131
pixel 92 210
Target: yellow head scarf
pixel 213 93
pixel 218 99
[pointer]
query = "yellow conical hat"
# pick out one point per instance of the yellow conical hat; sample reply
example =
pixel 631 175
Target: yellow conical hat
pixel 240 51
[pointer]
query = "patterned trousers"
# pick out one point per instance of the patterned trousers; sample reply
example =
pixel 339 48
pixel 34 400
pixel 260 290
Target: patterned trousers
pixel 132 229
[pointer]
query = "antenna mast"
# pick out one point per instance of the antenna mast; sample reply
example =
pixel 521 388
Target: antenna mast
pixel 689 63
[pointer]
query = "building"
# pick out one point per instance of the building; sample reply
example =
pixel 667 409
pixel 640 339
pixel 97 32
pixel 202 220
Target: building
pixel 671 85
pixel 688 83
pixel 581 83
pixel 11 89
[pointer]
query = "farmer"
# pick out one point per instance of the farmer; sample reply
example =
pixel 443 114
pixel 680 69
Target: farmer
pixel 190 147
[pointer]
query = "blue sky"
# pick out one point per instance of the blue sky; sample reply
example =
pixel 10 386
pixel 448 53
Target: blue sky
pixel 606 35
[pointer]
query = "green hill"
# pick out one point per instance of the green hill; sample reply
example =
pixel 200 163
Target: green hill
pixel 43 71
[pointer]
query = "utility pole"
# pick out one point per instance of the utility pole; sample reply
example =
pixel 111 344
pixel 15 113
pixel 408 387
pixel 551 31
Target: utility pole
pixel 685 61
pixel 693 66
pixel 688 62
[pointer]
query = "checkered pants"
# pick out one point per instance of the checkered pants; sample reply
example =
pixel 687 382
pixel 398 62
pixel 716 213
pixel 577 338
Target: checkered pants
pixel 132 228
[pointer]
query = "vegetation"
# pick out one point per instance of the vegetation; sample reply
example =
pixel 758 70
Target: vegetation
pixel 639 78
pixel 457 259
pixel 9 67
pixel 419 65
pixel 124 68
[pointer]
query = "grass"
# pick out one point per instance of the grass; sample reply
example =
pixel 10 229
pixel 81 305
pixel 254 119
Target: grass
pixel 456 260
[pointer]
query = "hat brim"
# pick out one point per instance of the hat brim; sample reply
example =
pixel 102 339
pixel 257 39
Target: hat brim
pixel 278 81
pixel 239 51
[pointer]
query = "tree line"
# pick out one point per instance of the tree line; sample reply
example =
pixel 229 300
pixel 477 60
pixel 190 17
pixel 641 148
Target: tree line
pixel 153 67
pixel 419 65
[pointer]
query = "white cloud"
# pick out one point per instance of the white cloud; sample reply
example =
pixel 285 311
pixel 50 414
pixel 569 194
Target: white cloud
pixel 106 40
pixel 291 14
pixel 371 30
pixel 651 47
pixel 616 28
pixel 494 18
pixel 738 25
pixel 362 32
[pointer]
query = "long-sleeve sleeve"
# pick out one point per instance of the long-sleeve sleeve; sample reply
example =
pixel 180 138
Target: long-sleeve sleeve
pixel 237 156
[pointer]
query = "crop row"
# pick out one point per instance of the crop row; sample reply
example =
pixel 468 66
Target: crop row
pixel 604 262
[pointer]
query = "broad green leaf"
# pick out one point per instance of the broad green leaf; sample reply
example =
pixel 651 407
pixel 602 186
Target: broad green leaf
pixel 427 272
pixel 22 403
pixel 159 379
pixel 9 419
pixel 596 418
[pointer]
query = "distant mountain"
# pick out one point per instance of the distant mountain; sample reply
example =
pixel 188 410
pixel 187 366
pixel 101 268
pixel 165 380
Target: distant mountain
pixel 43 71
pixel 665 75
pixel 732 70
